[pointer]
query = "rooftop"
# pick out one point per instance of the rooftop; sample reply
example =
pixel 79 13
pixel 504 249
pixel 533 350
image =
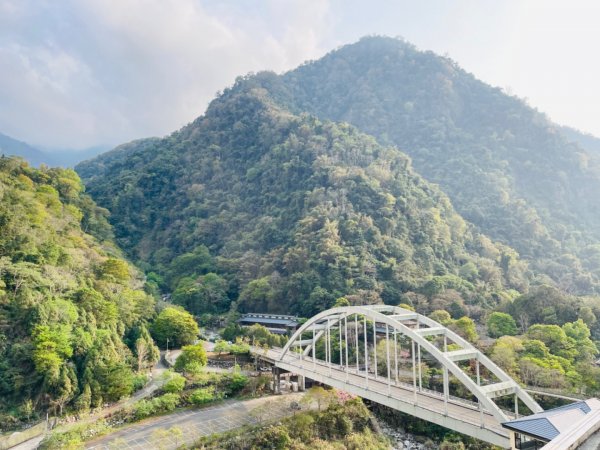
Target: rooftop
pixel 270 319
pixel 549 424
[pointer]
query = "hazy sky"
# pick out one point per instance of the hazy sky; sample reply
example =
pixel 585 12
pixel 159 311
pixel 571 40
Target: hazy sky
pixel 78 73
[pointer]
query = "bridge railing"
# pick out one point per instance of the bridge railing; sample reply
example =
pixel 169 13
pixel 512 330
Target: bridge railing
pixel 361 327
pixel 466 413
pixel 337 369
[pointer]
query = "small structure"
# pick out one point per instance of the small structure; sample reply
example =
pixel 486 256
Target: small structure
pixel 278 324
pixel 545 429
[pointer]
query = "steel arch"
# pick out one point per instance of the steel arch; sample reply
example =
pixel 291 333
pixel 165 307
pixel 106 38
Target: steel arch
pixel 484 394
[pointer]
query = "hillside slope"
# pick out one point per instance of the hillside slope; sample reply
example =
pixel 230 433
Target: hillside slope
pixel 505 167
pixel 590 143
pixel 278 212
pixel 70 307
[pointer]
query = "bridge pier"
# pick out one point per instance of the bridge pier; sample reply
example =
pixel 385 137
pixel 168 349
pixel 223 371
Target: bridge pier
pixel 276 380
pixel 301 383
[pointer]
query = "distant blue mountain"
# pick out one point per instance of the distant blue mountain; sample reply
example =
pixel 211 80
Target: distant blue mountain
pixel 53 158
pixel 13 147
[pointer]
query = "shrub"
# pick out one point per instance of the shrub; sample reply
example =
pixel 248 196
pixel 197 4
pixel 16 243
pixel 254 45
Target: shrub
pixel 139 381
pixel 203 379
pixel 203 396
pixel 191 357
pixel 74 437
pixel 240 348
pixel 273 437
pixel 167 402
pixel 176 383
pixel 144 408
pixel 164 403
pixel 236 381
pixel 501 324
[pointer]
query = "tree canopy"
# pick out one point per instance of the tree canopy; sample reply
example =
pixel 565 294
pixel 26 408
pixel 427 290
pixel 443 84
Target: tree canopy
pixel 68 300
pixel 176 325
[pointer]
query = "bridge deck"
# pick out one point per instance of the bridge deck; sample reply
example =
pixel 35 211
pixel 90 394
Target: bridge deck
pixel 426 404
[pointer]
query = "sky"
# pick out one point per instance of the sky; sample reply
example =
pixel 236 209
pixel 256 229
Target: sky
pixel 83 73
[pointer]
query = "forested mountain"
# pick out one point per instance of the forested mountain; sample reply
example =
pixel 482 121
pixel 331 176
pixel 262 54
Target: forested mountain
pixel 590 143
pixel 505 167
pixel 71 310
pixel 284 212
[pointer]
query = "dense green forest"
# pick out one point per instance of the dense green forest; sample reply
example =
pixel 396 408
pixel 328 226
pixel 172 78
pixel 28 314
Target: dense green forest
pixel 73 313
pixel 278 212
pixel 506 168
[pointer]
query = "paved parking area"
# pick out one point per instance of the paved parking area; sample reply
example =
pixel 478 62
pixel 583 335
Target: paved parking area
pixel 159 433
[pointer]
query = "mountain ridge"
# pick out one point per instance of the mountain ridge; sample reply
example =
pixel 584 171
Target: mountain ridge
pixel 505 166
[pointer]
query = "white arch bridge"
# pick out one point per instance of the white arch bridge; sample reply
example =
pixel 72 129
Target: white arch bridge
pixel 382 353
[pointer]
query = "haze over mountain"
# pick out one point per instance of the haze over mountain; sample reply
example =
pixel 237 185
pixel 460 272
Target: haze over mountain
pixel 13 147
pixel 54 158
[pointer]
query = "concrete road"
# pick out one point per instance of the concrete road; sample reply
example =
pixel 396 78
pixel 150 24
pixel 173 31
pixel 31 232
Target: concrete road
pixel 31 444
pixel 196 423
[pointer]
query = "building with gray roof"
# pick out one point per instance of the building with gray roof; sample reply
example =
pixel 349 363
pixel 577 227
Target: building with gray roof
pixel 537 430
pixel 275 323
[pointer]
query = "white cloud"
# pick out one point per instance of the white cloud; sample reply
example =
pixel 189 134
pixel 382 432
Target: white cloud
pixel 87 72
pixel 84 72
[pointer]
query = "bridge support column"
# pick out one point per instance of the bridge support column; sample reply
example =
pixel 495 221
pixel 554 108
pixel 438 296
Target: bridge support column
pixel 396 355
pixel 346 345
pixel 356 343
pixel 278 382
pixel 375 347
pixel 420 374
pixel 387 350
pixel 276 379
pixel 313 350
pixel 341 348
pixel 446 389
pixel 414 372
pixel 366 355
pixel 301 383
pixel 328 345
pixel 479 405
